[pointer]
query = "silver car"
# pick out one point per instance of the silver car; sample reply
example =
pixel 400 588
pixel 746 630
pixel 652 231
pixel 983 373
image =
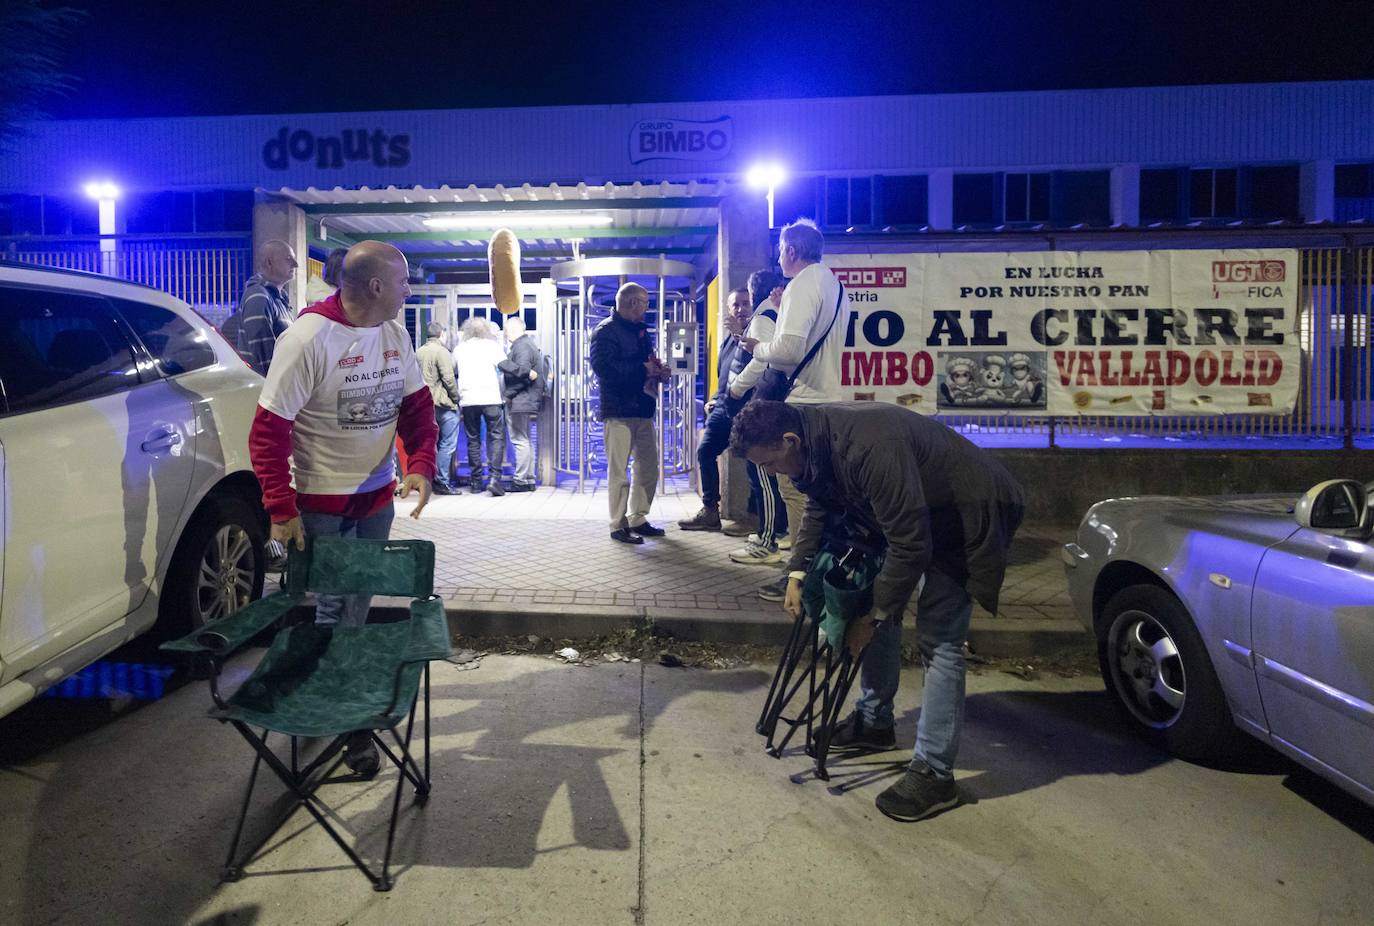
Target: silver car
pixel 1220 615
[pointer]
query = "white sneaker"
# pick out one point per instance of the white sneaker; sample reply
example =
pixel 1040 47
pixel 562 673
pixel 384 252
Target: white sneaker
pixel 754 554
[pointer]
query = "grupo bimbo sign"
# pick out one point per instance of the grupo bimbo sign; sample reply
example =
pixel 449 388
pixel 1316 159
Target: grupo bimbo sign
pixel 681 139
pixel 1073 333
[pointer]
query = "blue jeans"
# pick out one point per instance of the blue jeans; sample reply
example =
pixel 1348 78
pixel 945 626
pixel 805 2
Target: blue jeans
pixel 942 615
pixel 348 610
pixel 448 420
pixel 715 437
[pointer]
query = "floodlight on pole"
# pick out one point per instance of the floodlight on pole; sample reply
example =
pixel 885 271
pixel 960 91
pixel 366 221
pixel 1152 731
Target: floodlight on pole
pixel 766 177
pixel 104 192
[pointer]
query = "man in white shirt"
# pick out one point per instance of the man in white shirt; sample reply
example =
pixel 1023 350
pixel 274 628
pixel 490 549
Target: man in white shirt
pixel 806 347
pixel 479 400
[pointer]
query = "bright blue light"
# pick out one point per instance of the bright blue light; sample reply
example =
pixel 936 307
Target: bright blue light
pixel 102 189
pixel 765 176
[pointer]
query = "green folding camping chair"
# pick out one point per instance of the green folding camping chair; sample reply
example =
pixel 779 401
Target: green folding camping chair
pixel 319 681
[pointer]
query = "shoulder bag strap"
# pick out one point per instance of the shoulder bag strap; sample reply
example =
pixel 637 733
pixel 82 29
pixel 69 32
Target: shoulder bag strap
pixel 815 348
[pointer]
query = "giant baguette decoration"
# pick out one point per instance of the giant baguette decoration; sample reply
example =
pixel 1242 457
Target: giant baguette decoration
pixel 503 257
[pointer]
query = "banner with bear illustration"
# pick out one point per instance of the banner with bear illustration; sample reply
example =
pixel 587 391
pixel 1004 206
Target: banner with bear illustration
pixel 1073 332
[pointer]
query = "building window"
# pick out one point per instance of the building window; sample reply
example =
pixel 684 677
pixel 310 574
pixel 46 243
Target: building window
pixel 1253 193
pixel 1081 197
pixel 798 198
pixel 1027 198
pixel 903 200
pixel 1273 193
pixel 977 199
pixel 1212 193
pixel 1354 192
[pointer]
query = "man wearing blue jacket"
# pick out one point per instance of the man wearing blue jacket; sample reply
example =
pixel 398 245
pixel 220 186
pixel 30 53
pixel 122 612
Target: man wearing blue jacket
pixel 629 374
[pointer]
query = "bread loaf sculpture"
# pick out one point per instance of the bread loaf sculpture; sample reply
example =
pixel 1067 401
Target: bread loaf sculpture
pixel 503 257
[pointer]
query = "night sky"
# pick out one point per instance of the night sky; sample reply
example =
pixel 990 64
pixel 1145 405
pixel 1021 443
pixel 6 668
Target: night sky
pixel 200 58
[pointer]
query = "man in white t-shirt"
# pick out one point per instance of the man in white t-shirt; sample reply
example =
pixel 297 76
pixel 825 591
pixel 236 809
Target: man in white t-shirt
pixel 806 347
pixel 480 400
pixel 342 384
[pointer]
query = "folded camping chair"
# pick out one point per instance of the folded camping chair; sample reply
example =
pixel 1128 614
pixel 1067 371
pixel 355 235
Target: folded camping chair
pixel 320 681
pixel 836 589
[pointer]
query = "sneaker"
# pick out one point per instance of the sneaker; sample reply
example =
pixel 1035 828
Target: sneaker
pixel 476 487
pixel 756 554
pixel 647 530
pixel 361 756
pixel 497 489
pixel 736 529
pixel 783 541
pixel 853 733
pixel 918 794
pixel 623 535
pixel 774 591
pixel 440 488
pixel 521 487
pixel 707 519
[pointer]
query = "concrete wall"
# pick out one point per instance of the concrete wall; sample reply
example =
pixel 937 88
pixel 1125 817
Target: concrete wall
pixel 1060 485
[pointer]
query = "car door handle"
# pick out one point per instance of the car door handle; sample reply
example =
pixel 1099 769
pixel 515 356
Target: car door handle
pixel 162 439
pixel 1219 580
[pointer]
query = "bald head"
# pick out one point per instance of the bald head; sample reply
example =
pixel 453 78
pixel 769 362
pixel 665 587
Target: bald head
pixel 631 302
pixel 515 327
pixel 375 283
pixel 276 262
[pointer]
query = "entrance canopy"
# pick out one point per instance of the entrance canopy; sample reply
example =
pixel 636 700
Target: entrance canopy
pixel 446 229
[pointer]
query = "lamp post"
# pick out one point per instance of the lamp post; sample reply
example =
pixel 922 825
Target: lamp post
pixel 766 177
pixel 105 193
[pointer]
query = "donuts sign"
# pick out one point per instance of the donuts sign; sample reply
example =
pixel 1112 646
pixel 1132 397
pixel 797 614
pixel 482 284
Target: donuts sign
pixel 681 139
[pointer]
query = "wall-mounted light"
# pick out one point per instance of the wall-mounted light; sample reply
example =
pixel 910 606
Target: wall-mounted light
pixel 766 177
pixel 518 220
pixel 102 190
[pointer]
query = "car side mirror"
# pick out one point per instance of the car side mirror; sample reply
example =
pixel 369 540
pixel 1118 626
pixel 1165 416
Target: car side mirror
pixel 1336 506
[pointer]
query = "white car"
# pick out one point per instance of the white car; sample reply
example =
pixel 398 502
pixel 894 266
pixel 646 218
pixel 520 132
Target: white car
pixel 128 498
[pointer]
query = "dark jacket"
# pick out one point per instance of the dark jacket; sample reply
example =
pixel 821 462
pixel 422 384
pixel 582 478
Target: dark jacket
pixel 733 358
pixel 523 394
pixel 262 315
pixel 619 349
pixel 939 502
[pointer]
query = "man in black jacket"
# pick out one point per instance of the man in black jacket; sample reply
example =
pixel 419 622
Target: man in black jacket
pixel 524 393
pixel 629 374
pixel 946 512
pixel 715 435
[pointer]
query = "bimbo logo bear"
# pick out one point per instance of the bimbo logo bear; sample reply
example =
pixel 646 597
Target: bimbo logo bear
pixel 330 151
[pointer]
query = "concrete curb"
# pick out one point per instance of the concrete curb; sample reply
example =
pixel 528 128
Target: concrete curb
pixel 989 636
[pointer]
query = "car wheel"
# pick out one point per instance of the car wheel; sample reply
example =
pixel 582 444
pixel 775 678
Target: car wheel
pixel 1157 670
pixel 219 566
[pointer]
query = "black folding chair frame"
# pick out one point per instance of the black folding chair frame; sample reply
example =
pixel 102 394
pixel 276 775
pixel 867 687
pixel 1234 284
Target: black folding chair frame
pixel 303 783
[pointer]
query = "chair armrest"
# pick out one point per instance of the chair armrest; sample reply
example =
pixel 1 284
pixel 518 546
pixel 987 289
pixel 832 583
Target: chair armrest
pixel 223 636
pixel 429 636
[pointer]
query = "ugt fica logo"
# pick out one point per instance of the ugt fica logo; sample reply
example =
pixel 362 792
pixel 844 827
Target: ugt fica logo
pixel 1248 271
pixel 330 151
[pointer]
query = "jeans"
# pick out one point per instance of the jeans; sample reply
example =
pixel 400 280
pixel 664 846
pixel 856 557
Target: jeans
pixel 524 450
pixel 943 609
pixel 495 416
pixel 347 610
pixel 448 420
pixel 624 437
pixel 772 513
pixel 715 437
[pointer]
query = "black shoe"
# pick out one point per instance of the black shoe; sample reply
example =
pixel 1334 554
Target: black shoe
pixel 647 530
pixel 775 590
pixel 361 757
pixel 918 794
pixel 521 487
pixel 476 488
pixel 624 536
pixel 853 733
pixel 707 519
pixel 497 489
pixel 440 488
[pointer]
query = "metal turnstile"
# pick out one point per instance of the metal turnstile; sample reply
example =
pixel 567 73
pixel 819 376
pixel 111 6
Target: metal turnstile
pixel 584 295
